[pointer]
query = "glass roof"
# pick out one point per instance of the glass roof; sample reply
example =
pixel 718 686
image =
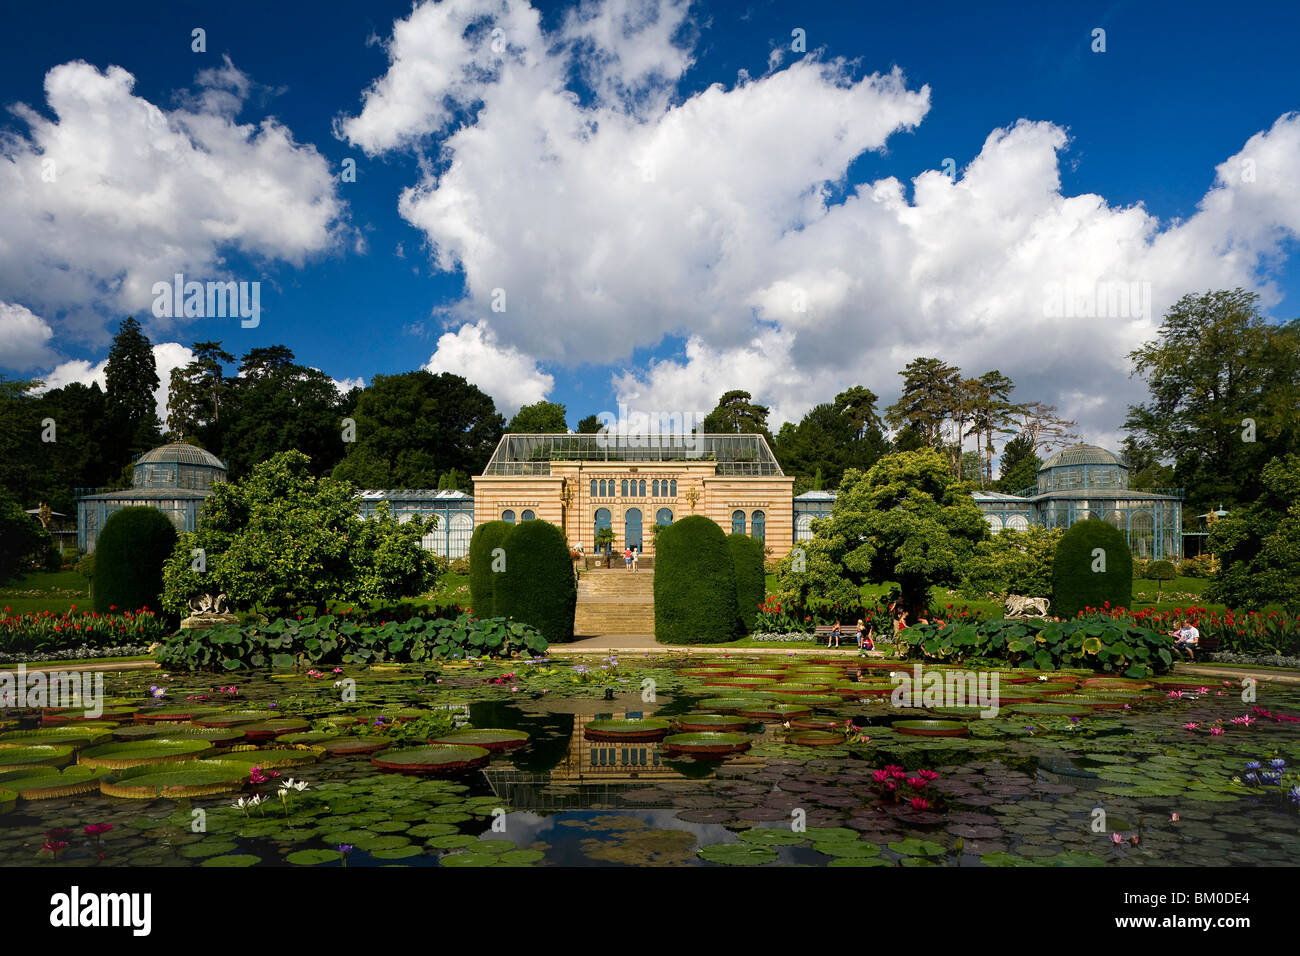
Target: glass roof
pixel 530 454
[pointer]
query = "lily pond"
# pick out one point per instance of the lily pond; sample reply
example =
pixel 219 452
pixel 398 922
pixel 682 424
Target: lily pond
pixel 651 761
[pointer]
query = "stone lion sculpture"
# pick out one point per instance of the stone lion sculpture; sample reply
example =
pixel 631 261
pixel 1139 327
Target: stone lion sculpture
pixel 1018 605
pixel 207 604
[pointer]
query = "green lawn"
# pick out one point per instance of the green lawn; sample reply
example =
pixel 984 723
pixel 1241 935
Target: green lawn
pixel 53 591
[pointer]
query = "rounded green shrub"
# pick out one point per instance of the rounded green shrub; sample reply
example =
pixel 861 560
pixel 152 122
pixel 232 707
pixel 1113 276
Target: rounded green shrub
pixel 129 556
pixel 482 579
pixel 695 584
pixel 751 580
pixel 1093 566
pixel 537 586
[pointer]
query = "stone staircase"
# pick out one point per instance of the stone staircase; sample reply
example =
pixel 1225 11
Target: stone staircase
pixel 615 601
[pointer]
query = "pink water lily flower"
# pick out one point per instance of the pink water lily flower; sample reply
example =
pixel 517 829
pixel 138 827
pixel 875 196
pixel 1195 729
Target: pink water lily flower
pixel 1191 726
pixel 1116 839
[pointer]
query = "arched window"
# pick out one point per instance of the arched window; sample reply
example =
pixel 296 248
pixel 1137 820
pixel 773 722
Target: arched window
pixel 994 522
pixel 759 526
pixel 602 521
pixel 527 516
pixel 672 488
pixel 602 488
pixel 642 492
pixel 508 517
pixel 632 529
pixel 664 516
pixel 654 488
pixel 738 522
pixel 593 487
pixel 624 487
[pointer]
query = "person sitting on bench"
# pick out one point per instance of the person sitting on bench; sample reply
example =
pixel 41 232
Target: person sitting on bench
pixel 1186 638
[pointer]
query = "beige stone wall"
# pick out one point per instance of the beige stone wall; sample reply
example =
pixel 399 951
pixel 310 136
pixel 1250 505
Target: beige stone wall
pixel 716 497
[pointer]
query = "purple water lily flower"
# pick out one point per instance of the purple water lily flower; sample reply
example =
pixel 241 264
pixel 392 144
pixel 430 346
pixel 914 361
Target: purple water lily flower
pixel 1253 765
pixel 1277 763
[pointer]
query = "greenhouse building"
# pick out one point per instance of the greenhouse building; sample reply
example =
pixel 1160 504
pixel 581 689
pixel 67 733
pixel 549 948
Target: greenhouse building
pixel 173 478
pixel 1083 482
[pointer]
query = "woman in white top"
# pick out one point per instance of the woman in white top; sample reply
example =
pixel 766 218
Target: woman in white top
pixel 635 553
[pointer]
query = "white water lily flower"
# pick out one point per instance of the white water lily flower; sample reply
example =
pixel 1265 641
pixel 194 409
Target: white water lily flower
pixel 255 800
pixel 300 786
pixel 286 784
pixel 240 803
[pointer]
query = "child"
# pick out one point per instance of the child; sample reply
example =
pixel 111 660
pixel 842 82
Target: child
pixel 835 636
pixel 865 643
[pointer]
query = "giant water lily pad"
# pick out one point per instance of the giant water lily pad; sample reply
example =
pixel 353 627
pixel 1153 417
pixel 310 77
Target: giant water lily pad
pixel 434 759
pixel 23 757
pixel 191 778
pixel 690 723
pixel 72 735
pixel 932 728
pixel 135 753
pixel 730 703
pixel 47 783
pixel 815 738
pixel 489 738
pixel 644 729
pixel 272 757
pixel 217 736
pixel 1050 710
pixel 707 742
pixel 267 729
pixel 769 711
pixel 230 718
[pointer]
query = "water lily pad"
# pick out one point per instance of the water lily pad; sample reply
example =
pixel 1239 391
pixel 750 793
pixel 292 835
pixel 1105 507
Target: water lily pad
pixel 234 860
pixel 47 783
pixel 738 854
pixel 489 738
pixel 707 742
pixel 136 753
pixel 844 848
pixel 436 758
pixel 692 723
pixel 266 729
pixel 911 846
pixel 650 728
pixel 522 857
pixel 772 836
pixel 397 853
pixel 20 757
pixel 932 728
pixel 191 778
pixel 272 757
pixel 469 859
pixel 314 857
pixel 206 848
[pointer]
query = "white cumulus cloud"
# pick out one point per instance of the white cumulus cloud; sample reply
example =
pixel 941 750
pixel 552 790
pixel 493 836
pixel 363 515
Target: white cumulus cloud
pixel 507 375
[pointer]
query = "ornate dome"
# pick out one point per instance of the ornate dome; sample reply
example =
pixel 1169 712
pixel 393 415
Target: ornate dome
pixel 1082 455
pixel 179 451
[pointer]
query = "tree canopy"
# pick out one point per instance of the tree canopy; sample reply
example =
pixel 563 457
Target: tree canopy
pixel 281 539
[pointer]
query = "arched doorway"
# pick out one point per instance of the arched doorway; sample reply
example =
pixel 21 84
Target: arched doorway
pixel 603 520
pixel 632 529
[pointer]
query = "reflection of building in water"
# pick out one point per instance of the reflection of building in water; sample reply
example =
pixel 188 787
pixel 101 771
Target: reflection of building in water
pixel 598 774
pixel 607 759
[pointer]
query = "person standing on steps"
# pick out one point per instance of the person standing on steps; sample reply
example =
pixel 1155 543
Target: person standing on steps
pixel 636 553
pixel 627 559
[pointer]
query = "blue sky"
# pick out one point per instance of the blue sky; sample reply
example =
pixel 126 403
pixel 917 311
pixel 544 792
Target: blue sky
pixel 658 290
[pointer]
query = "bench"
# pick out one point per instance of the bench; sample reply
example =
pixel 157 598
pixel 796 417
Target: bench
pixel 1204 646
pixel 848 634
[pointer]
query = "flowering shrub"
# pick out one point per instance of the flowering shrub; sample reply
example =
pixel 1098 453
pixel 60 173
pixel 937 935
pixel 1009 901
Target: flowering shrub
pixel 45 631
pixel 1111 646
pixel 1243 632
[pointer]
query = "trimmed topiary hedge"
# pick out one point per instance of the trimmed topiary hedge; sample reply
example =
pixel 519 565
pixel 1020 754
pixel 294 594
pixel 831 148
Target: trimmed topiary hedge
pixel 537 587
pixel 129 556
pixel 695 584
pixel 1093 566
pixel 482 579
pixel 751 580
